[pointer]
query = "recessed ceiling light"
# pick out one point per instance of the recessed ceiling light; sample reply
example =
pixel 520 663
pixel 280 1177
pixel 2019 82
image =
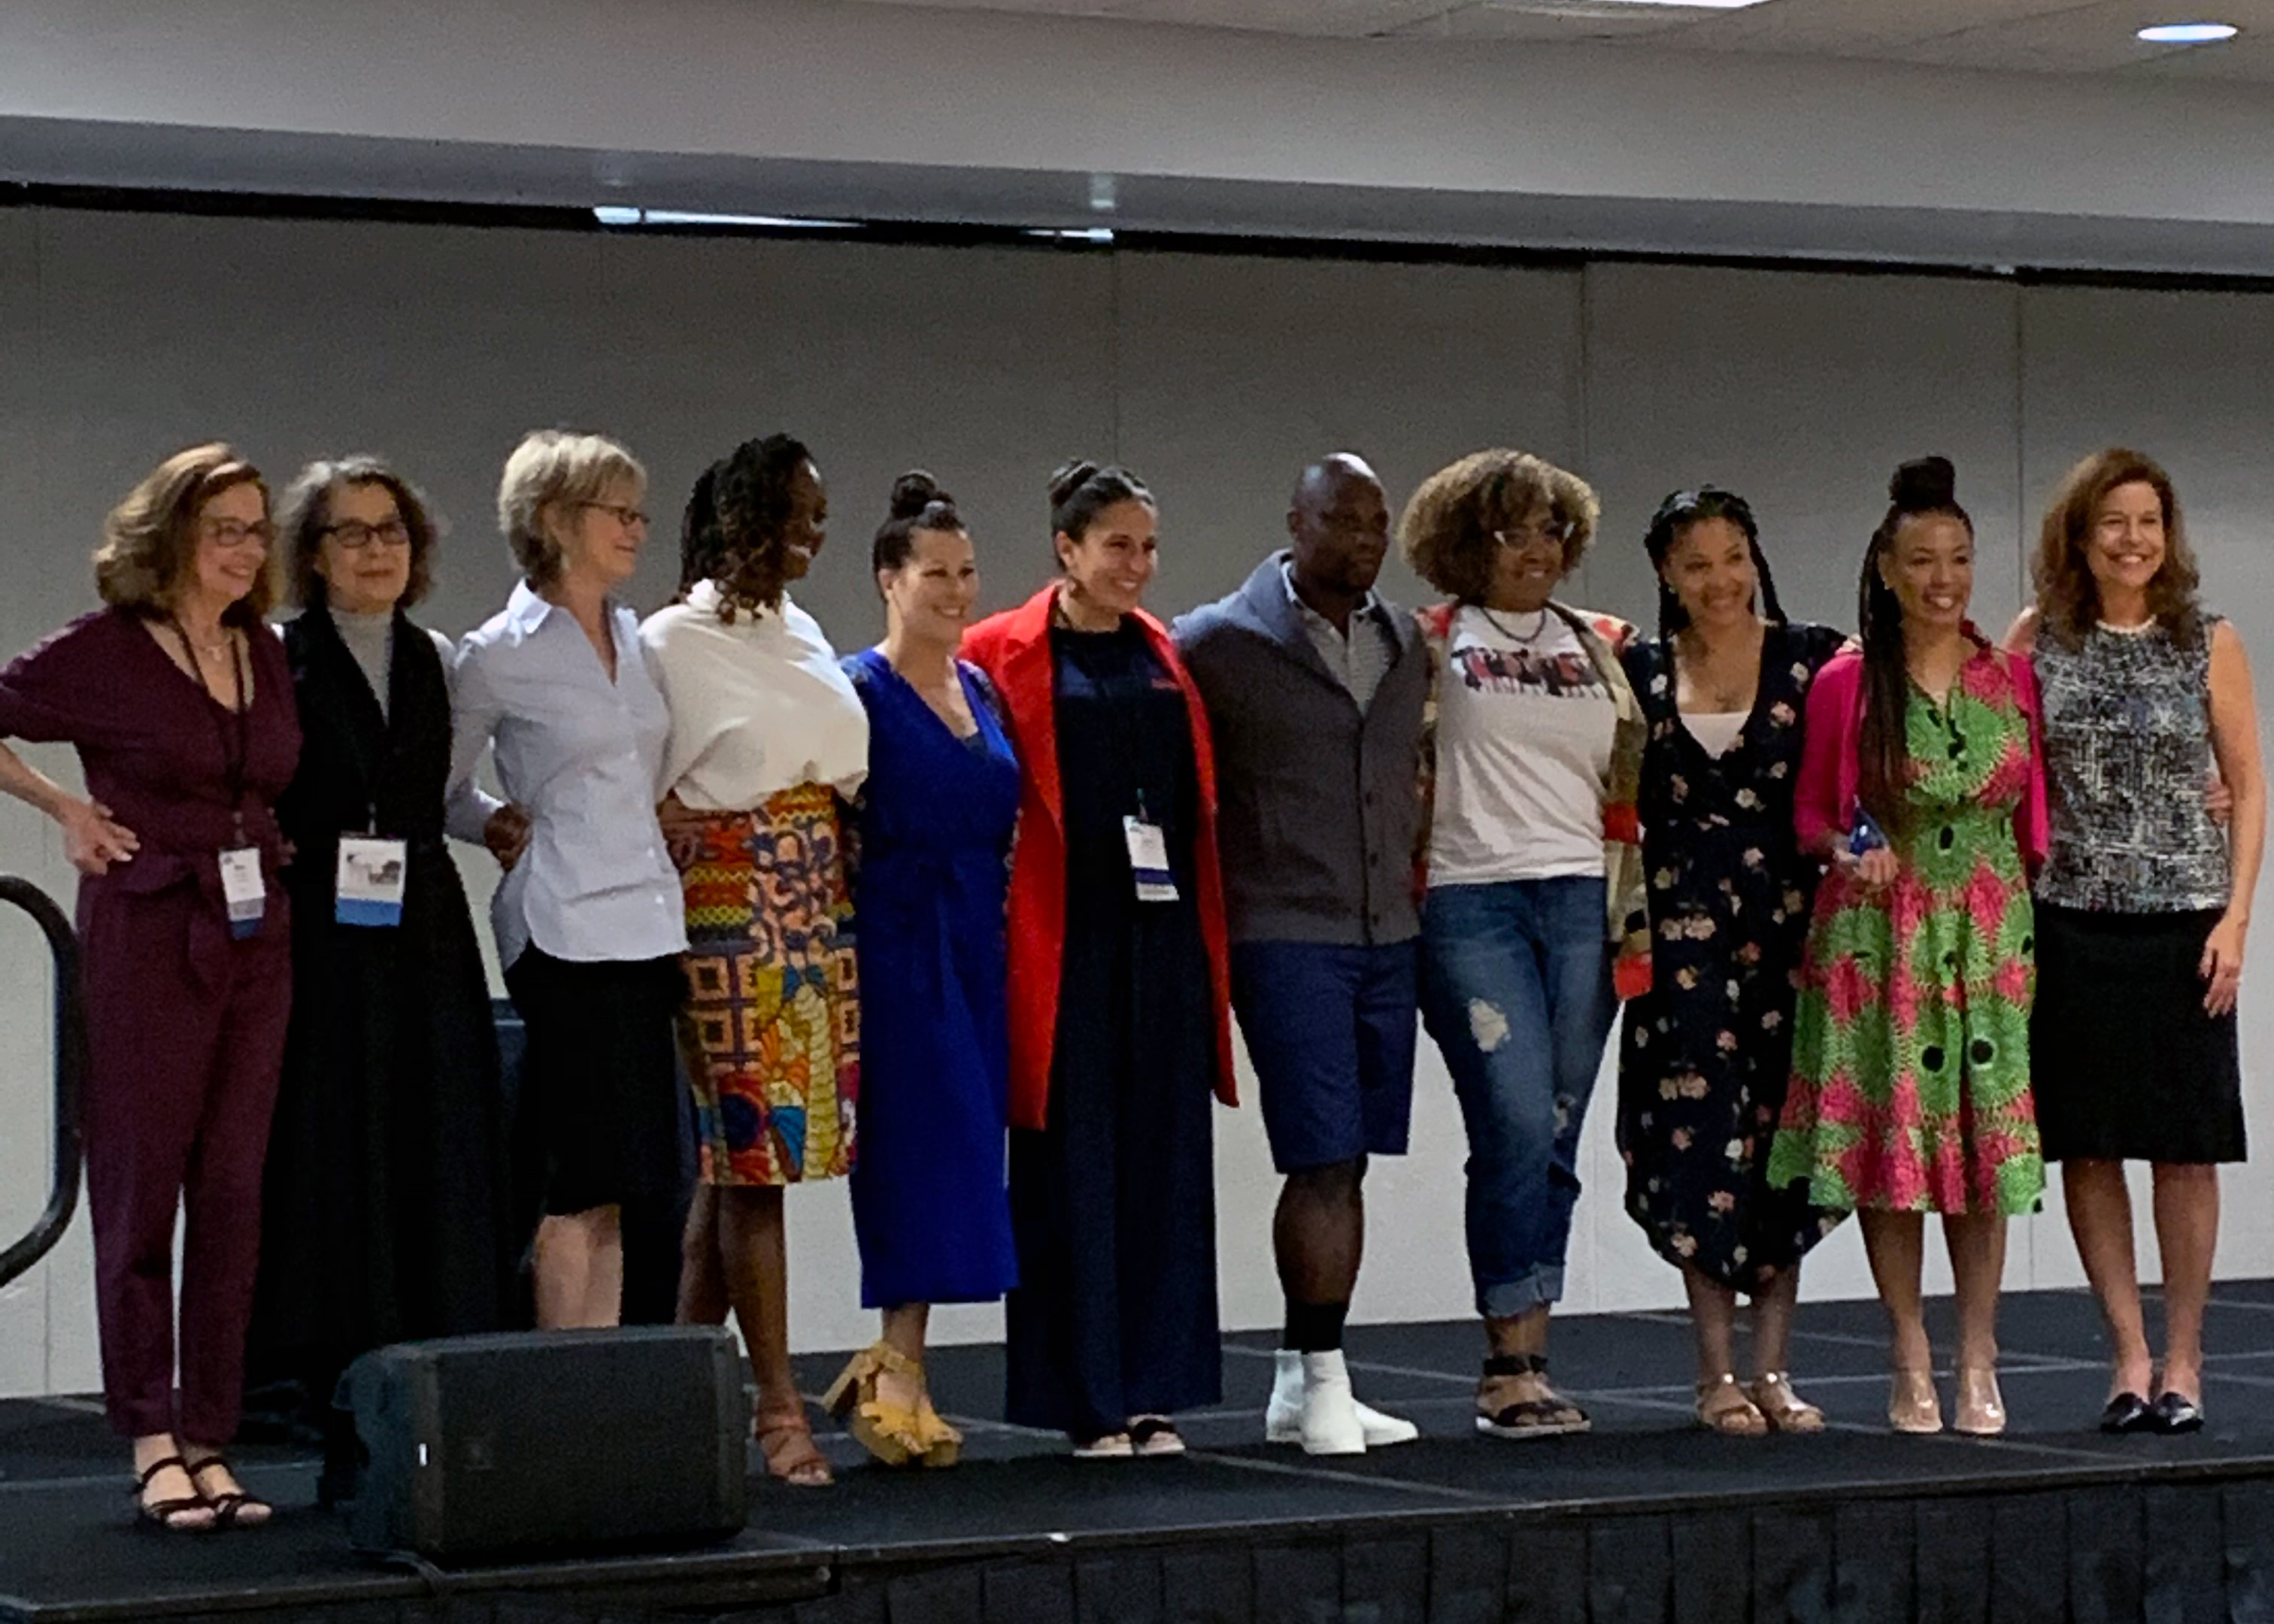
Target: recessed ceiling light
pixel 1581 8
pixel 609 216
pixel 2189 33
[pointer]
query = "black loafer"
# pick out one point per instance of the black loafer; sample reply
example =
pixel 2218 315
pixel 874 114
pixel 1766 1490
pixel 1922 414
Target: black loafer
pixel 2174 1413
pixel 2128 1412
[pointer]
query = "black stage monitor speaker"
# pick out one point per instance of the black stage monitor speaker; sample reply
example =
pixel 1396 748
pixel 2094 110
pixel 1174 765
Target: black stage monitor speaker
pixel 550 1441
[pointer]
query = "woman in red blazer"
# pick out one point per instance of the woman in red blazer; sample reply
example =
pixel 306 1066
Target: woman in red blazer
pixel 1120 1012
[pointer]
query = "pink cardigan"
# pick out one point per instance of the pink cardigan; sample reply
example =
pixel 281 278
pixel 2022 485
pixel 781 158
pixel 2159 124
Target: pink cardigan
pixel 1831 769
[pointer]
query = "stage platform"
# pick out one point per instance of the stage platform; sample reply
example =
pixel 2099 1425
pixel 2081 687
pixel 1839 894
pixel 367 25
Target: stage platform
pixel 1645 1518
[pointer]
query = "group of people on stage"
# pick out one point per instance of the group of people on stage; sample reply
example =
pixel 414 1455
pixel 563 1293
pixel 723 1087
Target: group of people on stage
pixel 1895 917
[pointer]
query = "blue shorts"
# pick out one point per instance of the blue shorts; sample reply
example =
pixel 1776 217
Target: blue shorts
pixel 1330 1030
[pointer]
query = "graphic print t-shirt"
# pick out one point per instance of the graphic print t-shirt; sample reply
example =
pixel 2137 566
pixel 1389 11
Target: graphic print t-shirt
pixel 1524 739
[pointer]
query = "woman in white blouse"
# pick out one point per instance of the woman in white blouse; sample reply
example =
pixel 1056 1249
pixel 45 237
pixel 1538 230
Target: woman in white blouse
pixel 767 735
pixel 588 923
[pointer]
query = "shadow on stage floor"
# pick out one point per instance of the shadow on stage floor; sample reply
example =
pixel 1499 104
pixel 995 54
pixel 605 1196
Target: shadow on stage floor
pixel 1645 1519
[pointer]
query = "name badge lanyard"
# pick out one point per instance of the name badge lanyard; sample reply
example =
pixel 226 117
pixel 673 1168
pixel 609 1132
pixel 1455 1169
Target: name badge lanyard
pixel 244 890
pixel 1147 840
pixel 371 874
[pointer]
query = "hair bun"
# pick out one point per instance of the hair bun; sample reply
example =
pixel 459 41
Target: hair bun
pixel 1070 477
pixel 913 491
pixel 1925 484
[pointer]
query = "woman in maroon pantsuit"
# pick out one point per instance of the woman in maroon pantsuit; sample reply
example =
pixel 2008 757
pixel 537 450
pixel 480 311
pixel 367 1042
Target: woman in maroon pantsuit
pixel 178 702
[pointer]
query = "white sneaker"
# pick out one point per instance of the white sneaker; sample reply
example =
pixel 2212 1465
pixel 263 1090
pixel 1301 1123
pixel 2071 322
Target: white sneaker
pixel 1285 1417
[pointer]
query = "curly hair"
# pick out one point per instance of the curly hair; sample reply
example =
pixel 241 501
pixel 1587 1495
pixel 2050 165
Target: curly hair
pixel 305 513
pixel 1447 531
pixel 556 467
pixel 732 531
pixel 1673 520
pixel 2068 598
pixel 150 540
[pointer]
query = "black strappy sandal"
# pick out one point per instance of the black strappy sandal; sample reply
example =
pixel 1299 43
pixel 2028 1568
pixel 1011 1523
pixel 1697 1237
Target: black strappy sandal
pixel 1531 1417
pixel 229 1509
pixel 162 1513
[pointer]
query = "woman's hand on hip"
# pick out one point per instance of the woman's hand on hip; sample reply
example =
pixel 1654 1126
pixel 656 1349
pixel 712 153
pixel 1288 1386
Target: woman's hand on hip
pixel 92 839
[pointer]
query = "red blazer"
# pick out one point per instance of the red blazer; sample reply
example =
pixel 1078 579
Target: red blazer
pixel 1013 649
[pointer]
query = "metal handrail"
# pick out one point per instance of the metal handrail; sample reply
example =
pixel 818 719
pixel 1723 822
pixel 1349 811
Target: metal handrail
pixel 71 1074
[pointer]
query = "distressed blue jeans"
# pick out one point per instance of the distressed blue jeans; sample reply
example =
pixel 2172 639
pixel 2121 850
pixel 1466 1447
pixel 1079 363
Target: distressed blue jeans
pixel 1516 991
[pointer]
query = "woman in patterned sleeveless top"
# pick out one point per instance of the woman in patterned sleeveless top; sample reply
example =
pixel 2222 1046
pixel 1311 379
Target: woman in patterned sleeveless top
pixel 2142 906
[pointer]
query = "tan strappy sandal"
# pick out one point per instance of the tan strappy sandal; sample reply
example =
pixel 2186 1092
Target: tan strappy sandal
pixel 887 1431
pixel 1784 1409
pixel 1726 1408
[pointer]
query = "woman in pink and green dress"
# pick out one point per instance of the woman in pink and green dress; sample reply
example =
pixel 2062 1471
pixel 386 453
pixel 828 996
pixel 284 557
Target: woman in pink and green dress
pixel 1922 786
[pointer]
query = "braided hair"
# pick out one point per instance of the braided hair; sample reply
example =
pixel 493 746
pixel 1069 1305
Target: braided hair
pixel 732 532
pixel 1925 487
pixel 1675 516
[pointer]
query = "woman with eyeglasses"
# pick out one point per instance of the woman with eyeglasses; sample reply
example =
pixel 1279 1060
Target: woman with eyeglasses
pixel 1534 923
pixel 766 736
pixel 589 922
pixel 388 1150
pixel 180 706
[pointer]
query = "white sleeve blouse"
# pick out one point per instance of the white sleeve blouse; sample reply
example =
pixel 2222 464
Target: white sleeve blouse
pixel 757 706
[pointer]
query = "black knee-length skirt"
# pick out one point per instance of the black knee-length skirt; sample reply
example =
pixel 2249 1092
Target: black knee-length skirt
pixel 2125 1064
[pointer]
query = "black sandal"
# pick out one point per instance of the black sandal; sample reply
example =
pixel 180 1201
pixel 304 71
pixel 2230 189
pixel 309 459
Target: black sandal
pixel 161 1513
pixel 1531 1417
pixel 229 1509
pixel 1155 1435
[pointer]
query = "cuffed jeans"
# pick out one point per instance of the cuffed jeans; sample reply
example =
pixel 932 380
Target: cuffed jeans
pixel 1516 991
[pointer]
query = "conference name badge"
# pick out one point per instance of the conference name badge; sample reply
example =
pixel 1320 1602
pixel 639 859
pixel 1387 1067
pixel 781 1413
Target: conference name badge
pixel 243 890
pixel 369 886
pixel 1148 860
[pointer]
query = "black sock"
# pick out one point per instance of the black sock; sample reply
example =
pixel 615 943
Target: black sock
pixel 1314 1327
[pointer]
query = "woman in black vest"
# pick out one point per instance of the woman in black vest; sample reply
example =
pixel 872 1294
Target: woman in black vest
pixel 385 1189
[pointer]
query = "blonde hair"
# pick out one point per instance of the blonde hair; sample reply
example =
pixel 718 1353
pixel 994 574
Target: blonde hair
pixel 1447 531
pixel 555 468
pixel 150 540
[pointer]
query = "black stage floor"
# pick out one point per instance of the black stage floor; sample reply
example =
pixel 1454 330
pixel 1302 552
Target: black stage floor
pixel 1645 1519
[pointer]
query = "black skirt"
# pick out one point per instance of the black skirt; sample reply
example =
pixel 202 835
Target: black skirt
pixel 2125 1064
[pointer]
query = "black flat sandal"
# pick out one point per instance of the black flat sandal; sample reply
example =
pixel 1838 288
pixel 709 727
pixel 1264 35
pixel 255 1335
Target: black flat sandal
pixel 2128 1412
pixel 1531 1417
pixel 163 1514
pixel 229 1509
pixel 2173 1413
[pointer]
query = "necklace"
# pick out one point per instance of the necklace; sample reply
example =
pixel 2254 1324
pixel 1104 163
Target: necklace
pixel 1723 692
pixel 1538 625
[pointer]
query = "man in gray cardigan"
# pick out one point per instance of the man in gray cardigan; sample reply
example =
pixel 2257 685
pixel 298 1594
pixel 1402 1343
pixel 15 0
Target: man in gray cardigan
pixel 1313 687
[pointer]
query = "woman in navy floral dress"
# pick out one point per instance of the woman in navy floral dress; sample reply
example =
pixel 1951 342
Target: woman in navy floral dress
pixel 1705 1055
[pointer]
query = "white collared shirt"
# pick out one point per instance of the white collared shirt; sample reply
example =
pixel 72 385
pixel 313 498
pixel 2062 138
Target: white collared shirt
pixel 580 754
pixel 757 706
pixel 1360 660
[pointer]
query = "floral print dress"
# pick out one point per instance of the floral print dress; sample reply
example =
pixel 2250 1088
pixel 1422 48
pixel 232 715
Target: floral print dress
pixel 1911 1084
pixel 1705 1055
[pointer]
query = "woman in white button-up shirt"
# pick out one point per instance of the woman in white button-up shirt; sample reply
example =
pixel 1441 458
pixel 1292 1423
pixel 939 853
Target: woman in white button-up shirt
pixel 588 922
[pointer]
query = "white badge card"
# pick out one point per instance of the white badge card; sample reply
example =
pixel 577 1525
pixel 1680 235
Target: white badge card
pixel 243 890
pixel 368 888
pixel 1148 861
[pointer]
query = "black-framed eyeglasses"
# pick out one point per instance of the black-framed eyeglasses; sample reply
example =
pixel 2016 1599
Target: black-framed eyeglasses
pixel 355 535
pixel 234 533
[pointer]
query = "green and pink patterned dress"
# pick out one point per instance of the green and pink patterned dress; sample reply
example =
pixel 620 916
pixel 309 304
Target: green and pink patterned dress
pixel 1910 1085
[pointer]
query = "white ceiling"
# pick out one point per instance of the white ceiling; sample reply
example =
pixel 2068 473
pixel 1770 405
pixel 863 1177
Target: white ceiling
pixel 2034 36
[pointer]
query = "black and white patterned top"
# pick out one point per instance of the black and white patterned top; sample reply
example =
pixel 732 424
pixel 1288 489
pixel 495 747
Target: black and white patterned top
pixel 2128 760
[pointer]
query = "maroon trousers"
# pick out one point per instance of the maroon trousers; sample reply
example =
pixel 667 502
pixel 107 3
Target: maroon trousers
pixel 186 1037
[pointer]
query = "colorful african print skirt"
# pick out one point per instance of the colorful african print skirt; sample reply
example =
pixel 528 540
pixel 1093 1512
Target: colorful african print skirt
pixel 773 1028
